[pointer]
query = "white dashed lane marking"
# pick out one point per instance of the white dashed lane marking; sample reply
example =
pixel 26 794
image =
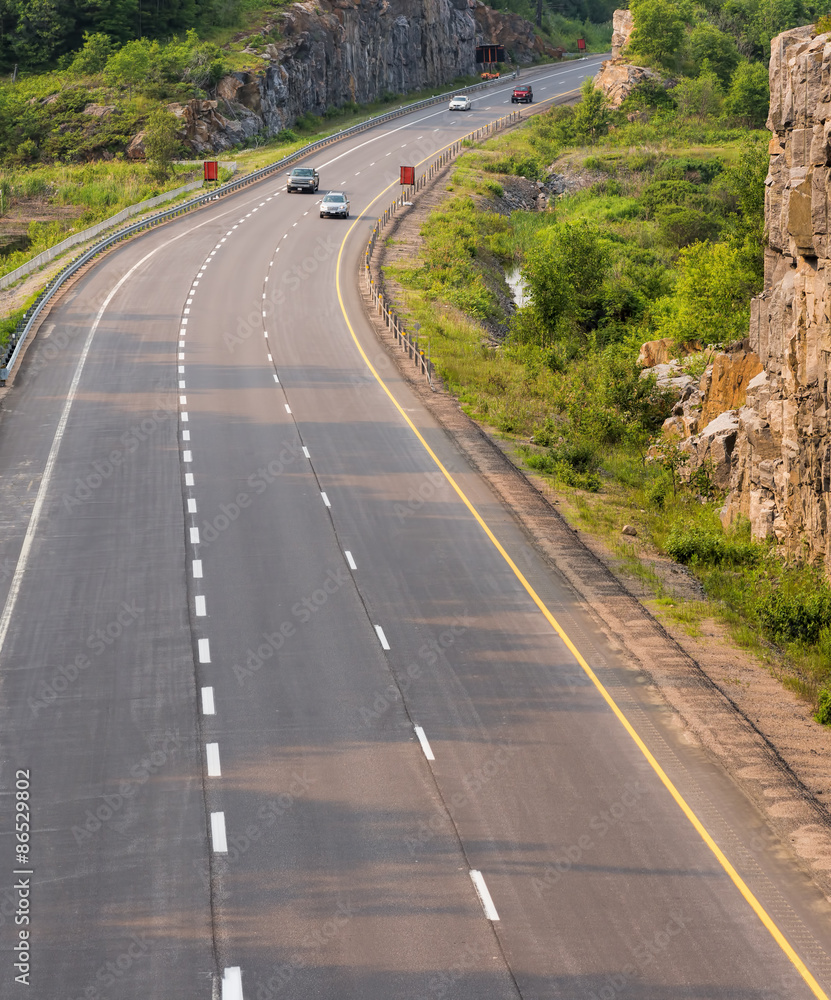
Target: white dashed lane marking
pixel 197 569
pixel 208 707
pixel 350 561
pixel 199 602
pixel 204 651
pixel 218 839
pixel 425 745
pixel 212 754
pixel 381 637
pixel 484 895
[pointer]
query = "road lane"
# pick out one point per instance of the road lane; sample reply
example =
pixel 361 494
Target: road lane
pixel 348 849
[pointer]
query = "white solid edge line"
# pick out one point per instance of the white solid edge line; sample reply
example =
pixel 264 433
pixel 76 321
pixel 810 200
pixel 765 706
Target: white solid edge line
pixel 201 610
pixel 197 569
pixel 425 743
pixel 212 755
pixel 218 839
pixel 381 637
pixel 208 707
pixel 204 651
pixel 232 983
pixel 40 499
pixel 325 499
pixel 484 895
pixel 350 560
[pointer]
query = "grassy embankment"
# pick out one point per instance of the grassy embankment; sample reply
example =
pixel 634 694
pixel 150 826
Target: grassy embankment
pixel 665 240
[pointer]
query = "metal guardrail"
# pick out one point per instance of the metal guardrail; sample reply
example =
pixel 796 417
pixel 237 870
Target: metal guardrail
pixel 410 342
pixel 24 327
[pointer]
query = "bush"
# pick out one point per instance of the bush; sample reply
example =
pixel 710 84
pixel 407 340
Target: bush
pixel 707 545
pixel 681 227
pixel 795 616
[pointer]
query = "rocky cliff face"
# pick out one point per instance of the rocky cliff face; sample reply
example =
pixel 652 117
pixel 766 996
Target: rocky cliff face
pixel 617 78
pixel 337 51
pixel 781 463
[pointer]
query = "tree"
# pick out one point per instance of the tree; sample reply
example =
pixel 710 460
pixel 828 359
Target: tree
pixel 712 296
pixel 707 42
pixel 95 54
pixel 700 98
pixel 39 29
pixel 660 26
pixel 749 97
pixel 162 142
pixel 564 271
pixel 592 115
pixel 130 66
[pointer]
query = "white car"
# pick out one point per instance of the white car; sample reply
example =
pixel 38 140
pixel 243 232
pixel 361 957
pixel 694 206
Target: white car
pixel 461 102
pixel 335 203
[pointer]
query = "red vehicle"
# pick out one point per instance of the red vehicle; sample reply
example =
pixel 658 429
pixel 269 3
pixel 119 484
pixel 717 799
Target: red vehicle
pixel 522 94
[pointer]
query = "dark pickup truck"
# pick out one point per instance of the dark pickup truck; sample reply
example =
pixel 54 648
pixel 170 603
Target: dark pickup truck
pixel 303 179
pixel 522 95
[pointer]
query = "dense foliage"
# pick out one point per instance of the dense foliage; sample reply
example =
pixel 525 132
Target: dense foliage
pixel 34 34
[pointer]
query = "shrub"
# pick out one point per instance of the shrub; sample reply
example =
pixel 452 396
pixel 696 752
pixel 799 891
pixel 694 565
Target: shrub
pixel 707 545
pixel 795 616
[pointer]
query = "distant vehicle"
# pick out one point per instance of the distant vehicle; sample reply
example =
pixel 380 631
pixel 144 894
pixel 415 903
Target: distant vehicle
pixel 303 179
pixel 461 102
pixel 522 94
pixel 335 203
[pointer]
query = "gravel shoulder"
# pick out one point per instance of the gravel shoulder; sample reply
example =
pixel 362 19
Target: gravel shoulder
pixel 725 698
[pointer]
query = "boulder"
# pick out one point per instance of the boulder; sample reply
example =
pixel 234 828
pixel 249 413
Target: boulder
pixel 617 79
pixel 136 150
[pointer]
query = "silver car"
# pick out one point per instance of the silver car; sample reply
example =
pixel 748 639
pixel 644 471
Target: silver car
pixel 335 203
pixel 461 102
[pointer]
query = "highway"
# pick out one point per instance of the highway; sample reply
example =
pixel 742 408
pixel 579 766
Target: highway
pixel 280 676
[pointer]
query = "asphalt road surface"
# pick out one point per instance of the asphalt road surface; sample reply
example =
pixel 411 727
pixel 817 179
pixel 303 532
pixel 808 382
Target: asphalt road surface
pixel 283 709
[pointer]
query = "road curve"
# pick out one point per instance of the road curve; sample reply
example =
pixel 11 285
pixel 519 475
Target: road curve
pixel 292 723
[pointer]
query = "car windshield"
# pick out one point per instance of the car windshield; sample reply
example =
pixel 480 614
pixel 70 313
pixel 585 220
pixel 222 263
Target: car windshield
pixel 302 172
pixel 335 196
pixel 461 97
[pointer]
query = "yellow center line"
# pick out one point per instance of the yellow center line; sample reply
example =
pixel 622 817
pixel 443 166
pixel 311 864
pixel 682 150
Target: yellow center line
pixel 699 827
